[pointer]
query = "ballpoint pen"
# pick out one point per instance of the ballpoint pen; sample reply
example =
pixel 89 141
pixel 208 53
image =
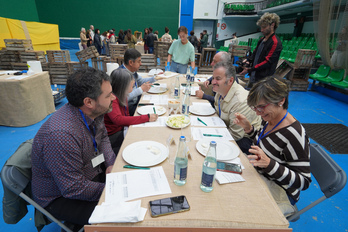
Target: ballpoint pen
pixel 210 135
pixel 135 167
pixel 202 121
pixel 154 110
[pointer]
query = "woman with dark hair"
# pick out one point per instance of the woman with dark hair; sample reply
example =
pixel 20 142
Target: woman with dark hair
pixel 97 40
pixel 122 83
pixel 146 33
pixel 193 39
pixel 130 39
pixel 166 37
pixel 281 147
pixel 120 39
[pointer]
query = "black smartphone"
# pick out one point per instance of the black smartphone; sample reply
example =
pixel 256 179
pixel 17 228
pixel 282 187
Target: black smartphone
pixel 228 167
pixel 168 205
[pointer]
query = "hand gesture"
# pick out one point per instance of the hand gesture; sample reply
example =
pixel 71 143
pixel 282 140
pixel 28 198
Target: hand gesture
pixel 242 121
pixel 153 117
pixel 245 71
pixel 199 93
pixel 259 158
pixel 206 83
pixel 146 86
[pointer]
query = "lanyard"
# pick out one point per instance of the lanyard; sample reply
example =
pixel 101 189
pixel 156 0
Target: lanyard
pixel 136 84
pixel 92 134
pixel 219 106
pixel 262 136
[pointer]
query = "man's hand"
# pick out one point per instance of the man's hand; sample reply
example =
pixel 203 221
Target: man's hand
pixel 108 170
pixel 153 117
pixel 245 71
pixel 199 93
pixel 146 86
pixel 206 83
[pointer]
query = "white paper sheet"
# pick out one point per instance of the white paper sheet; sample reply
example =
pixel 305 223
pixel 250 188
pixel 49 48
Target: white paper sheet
pixel 210 121
pixel 129 185
pixel 160 122
pixel 227 177
pixel 197 133
pixel 19 77
pixel 156 99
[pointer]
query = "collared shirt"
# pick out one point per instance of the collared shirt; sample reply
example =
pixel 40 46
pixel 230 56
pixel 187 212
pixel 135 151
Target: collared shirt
pixel 236 102
pixel 61 157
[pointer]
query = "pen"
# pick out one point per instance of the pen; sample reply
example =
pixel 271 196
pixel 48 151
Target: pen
pixel 145 104
pixel 210 135
pixel 134 167
pixel 202 121
pixel 154 110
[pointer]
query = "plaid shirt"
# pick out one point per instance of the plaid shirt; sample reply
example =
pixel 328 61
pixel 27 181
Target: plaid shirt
pixel 61 157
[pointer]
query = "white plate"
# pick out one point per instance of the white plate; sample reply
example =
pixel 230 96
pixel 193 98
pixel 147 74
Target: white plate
pixel 157 89
pixel 201 110
pixel 224 150
pixel 179 117
pixel 143 153
pixel 160 110
pixel 168 74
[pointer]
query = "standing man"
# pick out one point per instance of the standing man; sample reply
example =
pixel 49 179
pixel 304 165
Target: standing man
pixel 181 52
pixel 72 153
pixel 151 37
pixel 132 62
pixel 91 32
pixel 204 40
pixel 219 57
pixel 263 62
pixel 231 98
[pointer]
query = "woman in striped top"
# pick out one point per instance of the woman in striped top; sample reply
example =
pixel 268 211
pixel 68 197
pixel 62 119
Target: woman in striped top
pixel 281 146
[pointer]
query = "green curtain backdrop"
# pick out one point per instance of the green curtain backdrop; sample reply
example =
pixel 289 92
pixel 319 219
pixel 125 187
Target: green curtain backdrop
pixel 19 9
pixel 71 15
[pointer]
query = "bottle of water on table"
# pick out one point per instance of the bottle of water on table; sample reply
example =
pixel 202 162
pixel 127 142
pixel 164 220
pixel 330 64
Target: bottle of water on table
pixel 177 88
pixel 186 101
pixel 180 163
pixel 209 169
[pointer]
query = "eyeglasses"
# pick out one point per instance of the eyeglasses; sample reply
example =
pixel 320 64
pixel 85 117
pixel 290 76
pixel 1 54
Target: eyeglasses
pixel 259 108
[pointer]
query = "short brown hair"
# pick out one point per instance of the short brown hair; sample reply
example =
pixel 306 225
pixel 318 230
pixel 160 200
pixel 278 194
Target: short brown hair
pixel 268 19
pixel 182 29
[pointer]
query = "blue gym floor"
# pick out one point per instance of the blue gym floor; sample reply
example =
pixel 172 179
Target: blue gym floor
pixel 307 107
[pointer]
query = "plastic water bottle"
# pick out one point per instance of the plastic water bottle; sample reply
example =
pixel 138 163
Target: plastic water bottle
pixel 180 163
pixel 209 169
pixel 186 101
pixel 177 88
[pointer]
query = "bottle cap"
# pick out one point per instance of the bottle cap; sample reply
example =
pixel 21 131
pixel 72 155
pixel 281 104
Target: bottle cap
pixel 212 143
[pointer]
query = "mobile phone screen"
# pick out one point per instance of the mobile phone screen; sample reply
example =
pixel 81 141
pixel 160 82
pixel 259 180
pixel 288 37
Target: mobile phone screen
pixel 168 206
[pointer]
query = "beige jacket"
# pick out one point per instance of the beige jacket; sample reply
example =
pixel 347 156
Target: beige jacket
pixel 236 102
pixel 83 38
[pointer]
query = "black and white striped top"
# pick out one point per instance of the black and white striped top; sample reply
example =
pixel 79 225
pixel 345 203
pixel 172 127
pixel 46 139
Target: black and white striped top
pixel 288 149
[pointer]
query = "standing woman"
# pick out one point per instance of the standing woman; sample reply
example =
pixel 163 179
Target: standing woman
pixel 97 40
pixel 120 39
pixel 281 147
pixel 146 33
pixel 83 38
pixel 181 52
pixel 118 120
pixel 130 39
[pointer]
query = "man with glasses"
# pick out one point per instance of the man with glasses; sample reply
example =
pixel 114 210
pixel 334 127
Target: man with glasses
pixel 231 98
pixel 264 59
pixel 181 52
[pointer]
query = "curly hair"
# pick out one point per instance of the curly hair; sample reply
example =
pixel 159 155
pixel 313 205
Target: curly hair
pixel 84 83
pixel 268 19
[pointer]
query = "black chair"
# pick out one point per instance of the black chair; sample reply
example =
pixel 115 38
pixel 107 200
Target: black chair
pixel 330 176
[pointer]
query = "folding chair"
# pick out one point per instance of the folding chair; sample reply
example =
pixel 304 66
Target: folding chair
pixel 13 179
pixel 331 177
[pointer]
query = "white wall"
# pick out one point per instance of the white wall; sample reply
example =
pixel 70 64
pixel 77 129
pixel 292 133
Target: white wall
pixel 239 25
pixel 208 9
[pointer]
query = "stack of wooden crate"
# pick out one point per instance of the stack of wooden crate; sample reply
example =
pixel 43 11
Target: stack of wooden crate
pixel 161 52
pixel 86 54
pixel 117 52
pixel 7 58
pixel 207 57
pixel 148 62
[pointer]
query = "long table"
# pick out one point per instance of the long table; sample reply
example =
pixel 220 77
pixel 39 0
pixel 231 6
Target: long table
pixel 243 206
pixel 25 100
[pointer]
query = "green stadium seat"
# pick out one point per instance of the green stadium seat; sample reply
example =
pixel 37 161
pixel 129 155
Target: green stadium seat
pixel 334 76
pixel 341 84
pixel 252 7
pixel 322 72
pixel 292 57
pixel 285 42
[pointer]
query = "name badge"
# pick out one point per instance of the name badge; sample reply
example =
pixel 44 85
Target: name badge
pixel 98 160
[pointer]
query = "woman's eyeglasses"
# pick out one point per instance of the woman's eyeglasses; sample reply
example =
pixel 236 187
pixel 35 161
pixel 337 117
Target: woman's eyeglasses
pixel 259 108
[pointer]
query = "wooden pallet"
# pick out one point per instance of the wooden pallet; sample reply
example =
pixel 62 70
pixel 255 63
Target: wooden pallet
pixel 8 57
pixel 86 54
pixel 207 57
pixel 97 62
pixel 32 55
pixel 161 48
pixel 58 56
pixel 283 69
pixel 74 66
pixel 299 85
pixel 24 66
pixel 305 58
pixel 238 50
pixel 117 51
pixel 205 70
pixel 59 73
pixel 18 44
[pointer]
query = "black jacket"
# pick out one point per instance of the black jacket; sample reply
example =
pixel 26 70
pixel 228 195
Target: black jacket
pixel 268 60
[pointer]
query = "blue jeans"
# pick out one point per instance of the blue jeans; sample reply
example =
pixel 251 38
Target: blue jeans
pixel 151 50
pixel 178 68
